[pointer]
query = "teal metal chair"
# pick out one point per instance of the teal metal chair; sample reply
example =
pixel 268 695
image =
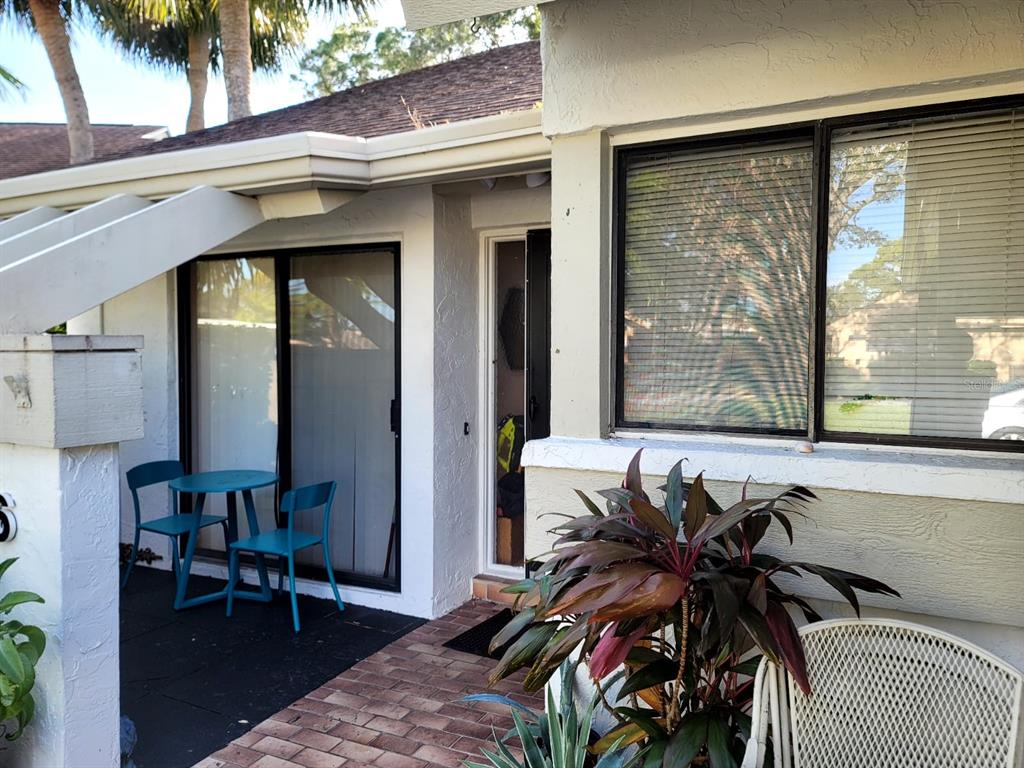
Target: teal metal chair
pixel 173 525
pixel 284 543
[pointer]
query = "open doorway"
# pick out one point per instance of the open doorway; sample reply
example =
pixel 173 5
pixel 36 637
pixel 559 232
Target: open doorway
pixel 518 332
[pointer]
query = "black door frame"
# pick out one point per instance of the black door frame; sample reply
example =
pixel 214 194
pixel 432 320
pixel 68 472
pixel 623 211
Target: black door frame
pixel 185 277
pixel 537 418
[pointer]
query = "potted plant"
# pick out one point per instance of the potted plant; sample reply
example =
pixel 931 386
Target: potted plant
pixel 679 598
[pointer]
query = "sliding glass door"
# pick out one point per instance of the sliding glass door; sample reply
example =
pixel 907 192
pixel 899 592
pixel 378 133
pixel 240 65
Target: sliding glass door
pixel 294 368
pixel 342 318
pixel 235 379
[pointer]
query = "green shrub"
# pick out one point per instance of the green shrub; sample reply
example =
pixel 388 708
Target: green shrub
pixel 21 645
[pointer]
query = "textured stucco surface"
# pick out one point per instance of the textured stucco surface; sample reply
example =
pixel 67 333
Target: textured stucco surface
pixel 947 558
pixel 149 310
pixel 608 63
pixel 456 481
pixel 67 550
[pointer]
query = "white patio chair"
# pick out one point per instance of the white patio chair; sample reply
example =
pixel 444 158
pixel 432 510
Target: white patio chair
pixel 888 693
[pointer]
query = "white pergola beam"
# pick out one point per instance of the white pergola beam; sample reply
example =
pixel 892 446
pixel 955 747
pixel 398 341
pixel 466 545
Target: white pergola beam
pixel 65 227
pixel 27 220
pixel 60 282
pixel 305 202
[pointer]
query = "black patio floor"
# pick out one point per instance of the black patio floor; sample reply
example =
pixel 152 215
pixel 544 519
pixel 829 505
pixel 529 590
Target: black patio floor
pixel 194 680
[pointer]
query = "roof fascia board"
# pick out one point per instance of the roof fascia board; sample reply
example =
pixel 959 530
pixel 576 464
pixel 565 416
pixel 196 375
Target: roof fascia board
pixel 294 161
pixel 428 13
pixel 511 154
pixel 448 135
pixel 237 154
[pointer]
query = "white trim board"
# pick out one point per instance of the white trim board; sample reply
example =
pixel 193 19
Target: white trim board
pixel 487 146
pixel 487 395
pixel 949 474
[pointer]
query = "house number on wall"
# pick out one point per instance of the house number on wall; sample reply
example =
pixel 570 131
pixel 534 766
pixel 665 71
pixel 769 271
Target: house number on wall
pixel 8 523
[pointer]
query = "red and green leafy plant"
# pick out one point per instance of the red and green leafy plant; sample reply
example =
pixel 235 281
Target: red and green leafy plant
pixel 680 597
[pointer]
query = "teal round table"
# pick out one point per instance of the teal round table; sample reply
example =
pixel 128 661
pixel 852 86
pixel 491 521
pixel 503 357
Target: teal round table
pixel 228 482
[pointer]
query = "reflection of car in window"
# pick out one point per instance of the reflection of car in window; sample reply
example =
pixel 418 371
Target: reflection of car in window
pixel 1004 419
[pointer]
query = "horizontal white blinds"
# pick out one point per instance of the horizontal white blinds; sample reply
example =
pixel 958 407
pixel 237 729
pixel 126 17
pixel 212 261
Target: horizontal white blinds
pixel 925 311
pixel 717 287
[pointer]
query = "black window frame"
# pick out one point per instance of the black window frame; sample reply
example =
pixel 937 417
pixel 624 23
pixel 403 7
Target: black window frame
pixel 820 132
pixel 185 290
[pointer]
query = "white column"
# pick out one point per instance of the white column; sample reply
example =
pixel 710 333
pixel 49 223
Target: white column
pixel 580 285
pixel 77 396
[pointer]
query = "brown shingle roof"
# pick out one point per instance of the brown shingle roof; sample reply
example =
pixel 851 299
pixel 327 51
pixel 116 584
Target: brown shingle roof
pixel 37 147
pixel 506 79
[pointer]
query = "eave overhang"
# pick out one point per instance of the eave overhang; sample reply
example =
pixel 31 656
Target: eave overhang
pixel 428 13
pixel 489 146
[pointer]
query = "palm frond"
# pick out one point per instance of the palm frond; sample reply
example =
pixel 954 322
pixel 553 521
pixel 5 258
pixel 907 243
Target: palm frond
pixel 9 84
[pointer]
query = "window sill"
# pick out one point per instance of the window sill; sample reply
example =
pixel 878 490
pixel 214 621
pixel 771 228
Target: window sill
pixel 941 473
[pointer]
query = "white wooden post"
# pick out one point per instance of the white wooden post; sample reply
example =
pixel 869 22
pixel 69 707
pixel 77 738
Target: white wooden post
pixel 65 403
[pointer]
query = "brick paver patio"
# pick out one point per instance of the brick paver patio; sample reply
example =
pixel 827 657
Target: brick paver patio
pixel 399 708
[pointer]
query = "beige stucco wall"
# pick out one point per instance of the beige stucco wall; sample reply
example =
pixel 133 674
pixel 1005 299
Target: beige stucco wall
pixel 956 564
pixel 609 63
pixel 618 73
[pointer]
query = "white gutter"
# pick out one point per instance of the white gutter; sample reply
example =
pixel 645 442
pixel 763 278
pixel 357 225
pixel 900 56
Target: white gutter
pixel 428 13
pixel 509 143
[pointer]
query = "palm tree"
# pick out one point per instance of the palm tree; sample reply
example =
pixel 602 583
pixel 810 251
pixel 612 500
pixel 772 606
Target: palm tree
pixel 49 19
pixel 185 37
pixel 235 43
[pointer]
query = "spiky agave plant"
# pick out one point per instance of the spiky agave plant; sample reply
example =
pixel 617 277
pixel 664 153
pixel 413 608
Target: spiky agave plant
pixel 558 737
pixel 680 596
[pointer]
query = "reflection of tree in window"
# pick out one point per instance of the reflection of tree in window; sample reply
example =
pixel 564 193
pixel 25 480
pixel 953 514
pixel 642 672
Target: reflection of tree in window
pixel 925 291
pixel 242 290
pixel 718 258
pixel 338 310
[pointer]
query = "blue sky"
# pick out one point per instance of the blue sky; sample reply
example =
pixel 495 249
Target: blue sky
pixel 119 91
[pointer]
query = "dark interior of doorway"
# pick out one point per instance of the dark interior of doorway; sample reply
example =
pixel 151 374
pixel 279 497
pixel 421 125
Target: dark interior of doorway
pixel 509 398
pixel 522 279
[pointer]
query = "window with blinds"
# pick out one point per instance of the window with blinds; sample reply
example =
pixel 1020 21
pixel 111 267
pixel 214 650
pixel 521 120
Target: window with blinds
pixel 716 287
pixel 925 279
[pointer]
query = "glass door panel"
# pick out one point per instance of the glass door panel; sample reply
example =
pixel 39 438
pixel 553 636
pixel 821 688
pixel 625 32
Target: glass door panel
pixel 509 344
pixel 235 379
pixel 342 318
